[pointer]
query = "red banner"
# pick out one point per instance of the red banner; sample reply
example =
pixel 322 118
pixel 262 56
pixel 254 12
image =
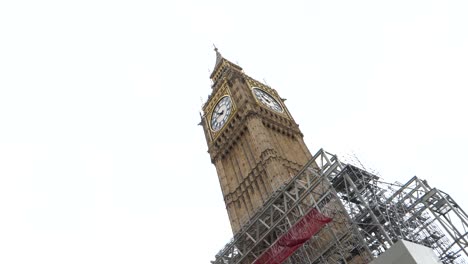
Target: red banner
pixel 292 240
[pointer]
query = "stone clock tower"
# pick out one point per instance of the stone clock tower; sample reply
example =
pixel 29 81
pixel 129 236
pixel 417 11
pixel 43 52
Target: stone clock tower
pixel 252 139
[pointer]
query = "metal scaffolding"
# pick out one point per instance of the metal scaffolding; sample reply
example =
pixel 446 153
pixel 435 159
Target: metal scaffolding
pixel 369 216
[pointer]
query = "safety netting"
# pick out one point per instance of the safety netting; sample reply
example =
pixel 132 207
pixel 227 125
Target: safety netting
pixel 297 235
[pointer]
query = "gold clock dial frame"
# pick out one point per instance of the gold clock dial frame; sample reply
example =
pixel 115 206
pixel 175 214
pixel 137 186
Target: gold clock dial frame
pixel 266 99
pixel 226 113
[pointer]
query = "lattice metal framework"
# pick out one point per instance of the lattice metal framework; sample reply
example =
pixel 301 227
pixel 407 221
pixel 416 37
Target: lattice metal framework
pixel 368 217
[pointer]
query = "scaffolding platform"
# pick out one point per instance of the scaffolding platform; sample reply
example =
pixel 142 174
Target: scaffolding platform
pixel 367 216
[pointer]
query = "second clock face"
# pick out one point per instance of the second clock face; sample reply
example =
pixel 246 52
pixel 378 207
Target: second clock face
pixel 267 99
pixel 220 113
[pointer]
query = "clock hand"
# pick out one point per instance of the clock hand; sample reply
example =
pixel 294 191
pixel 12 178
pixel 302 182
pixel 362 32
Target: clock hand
pixel 267 98
pixel 220 115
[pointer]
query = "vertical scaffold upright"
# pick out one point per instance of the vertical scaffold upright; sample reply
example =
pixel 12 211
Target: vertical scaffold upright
pixel 367 217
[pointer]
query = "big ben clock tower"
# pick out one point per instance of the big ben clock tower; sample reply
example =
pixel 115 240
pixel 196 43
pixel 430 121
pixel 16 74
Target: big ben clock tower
pixel 287 206
pixel 253 141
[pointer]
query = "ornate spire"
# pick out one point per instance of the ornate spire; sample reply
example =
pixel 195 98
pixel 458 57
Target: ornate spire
pixel 219 57
pixel 222 61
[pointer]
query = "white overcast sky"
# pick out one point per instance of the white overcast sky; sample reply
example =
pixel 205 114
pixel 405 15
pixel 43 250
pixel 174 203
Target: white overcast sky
pixel 101 158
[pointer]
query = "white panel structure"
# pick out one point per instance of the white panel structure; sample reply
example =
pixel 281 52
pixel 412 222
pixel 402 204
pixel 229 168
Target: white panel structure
pixel 408 253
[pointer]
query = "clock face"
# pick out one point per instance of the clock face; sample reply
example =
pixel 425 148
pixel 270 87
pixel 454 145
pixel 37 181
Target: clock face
pixel 220 113
pixel 267 100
